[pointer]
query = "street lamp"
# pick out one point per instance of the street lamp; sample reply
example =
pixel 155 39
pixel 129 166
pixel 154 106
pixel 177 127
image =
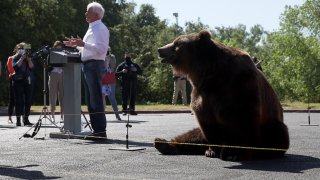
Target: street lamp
pixel 176 15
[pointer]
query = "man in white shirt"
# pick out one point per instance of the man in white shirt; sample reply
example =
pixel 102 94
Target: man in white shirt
pixel 93 48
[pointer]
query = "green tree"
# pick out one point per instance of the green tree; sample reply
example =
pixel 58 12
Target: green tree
pixel 292 56
pixel 138 34
pixel 239 37
pixel 41 23
pixel 36 22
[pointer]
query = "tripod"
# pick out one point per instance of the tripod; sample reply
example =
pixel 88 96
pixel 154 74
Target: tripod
pixel 127 148
pixel 309 119
pixel 128 125
pixel 44 111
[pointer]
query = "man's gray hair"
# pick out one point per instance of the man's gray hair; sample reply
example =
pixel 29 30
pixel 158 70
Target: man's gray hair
pixel 96 8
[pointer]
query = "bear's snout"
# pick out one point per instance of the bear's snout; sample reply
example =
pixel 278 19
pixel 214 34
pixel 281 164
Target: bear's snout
pixel 166 52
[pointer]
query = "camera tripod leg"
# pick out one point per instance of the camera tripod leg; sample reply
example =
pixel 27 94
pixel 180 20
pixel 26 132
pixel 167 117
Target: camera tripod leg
pixel 37 126
pixel 26 135
pixel 87 122
pixel 45 116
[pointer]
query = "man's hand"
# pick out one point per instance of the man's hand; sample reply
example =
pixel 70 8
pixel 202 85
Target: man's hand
pixel 24 56
pixel 73 42
pixel 124 70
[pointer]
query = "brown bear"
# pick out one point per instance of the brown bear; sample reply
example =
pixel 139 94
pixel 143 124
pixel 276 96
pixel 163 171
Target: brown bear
pixel 239 114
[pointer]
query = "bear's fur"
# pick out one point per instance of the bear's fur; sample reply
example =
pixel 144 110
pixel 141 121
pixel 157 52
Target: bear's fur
pixel 231 99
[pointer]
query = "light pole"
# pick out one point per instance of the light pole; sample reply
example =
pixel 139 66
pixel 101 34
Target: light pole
pixel 176 15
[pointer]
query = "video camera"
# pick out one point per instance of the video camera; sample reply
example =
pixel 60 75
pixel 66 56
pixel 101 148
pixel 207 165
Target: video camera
pixel 27 47
pixel 43 52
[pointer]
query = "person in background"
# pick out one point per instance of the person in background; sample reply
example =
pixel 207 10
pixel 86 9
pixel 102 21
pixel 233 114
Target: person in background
pixel 55 84
pixel 23 66
pixel 111 64
pixel 257 63
pixel 128 72
pixel 93 48
pixel 11 90
pixel 180 82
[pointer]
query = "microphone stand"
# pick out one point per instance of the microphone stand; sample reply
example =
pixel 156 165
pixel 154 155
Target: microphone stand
pixel 128 125
pixel 309 119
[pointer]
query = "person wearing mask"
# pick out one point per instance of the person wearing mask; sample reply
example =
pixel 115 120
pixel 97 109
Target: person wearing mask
pixel 257 63
pixel 23 66
pixel 93 48
pixel 55 85
pixel 110 65
pixel 11 90
pixel 128 72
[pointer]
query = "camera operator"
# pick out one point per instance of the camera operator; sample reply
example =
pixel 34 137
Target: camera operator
pixel 128 71
pixel 257 63
pixel 23 66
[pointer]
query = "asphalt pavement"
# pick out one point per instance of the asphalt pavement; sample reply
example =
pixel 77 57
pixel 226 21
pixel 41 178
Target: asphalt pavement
pixel 43 157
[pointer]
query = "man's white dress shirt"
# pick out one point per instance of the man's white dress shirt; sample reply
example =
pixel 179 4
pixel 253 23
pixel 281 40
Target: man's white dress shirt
pixel 96 42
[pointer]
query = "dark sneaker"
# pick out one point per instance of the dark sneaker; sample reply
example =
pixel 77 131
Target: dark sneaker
pixel 133 113
pixel 18 123
pixel 124 112
pixel 96 136
pixel 118 118
pixel 27 123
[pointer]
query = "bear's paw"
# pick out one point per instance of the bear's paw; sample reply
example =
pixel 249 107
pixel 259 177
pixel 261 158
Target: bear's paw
pixel 163 147
pixel 210 153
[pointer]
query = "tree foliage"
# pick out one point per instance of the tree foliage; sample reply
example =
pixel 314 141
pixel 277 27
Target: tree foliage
pixel 292 53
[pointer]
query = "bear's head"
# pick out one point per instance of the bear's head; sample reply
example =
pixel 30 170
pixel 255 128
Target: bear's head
pixel 185 50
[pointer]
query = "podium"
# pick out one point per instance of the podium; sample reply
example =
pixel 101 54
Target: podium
pixel 72 88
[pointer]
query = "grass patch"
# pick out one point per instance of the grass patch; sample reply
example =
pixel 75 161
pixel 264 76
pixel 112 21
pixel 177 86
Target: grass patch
pixel 299 105
pixel 167 107
pixel 139 107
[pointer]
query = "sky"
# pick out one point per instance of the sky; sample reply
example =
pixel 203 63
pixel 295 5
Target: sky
pixel 217 13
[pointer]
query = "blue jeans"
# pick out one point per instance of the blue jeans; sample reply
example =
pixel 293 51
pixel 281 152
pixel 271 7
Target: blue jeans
pixel 92 72
pixel 113 100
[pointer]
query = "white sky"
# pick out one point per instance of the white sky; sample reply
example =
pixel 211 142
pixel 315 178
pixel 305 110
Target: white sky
pixel 222 12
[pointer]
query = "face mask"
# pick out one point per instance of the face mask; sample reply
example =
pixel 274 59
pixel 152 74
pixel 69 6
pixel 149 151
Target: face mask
pixel 21 51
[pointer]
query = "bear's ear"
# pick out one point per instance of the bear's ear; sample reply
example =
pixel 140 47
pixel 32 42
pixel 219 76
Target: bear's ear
pixel 204 35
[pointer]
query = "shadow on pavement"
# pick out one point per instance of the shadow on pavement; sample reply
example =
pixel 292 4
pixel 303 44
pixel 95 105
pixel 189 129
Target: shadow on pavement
pixel 19 172
pixel 290 163
pixel 125 121
pixel 121 142
pixel 3 127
